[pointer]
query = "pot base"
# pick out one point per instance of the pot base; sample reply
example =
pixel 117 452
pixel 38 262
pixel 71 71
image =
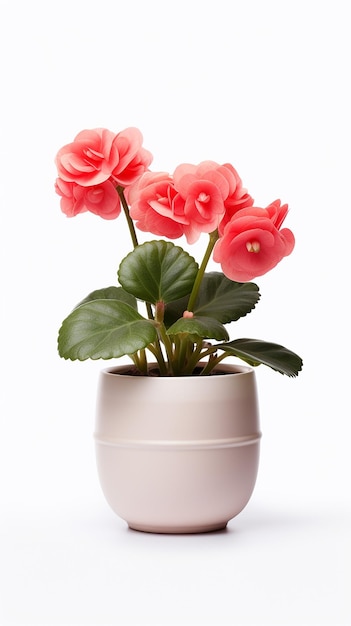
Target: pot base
pixel 178 530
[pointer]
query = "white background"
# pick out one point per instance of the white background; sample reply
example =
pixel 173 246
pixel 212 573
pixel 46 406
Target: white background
pixel 265 86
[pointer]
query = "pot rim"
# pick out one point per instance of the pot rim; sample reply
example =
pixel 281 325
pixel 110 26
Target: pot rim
pixel 225 369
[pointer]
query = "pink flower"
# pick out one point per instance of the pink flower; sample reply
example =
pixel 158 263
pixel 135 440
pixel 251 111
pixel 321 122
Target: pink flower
pixel 252 243
pixel 96 155
pixel 237 199
pixel 134 160
pixel 101 200
pixel 156 206
pixel 204 188
pixel 190 202
pixel 68 200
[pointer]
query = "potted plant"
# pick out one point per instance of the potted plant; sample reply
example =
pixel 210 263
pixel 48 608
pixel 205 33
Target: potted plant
pixel 177 431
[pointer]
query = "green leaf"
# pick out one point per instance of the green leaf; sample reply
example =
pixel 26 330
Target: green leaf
pixel 224 299
pixel 204 327
pixel 158 270
pixel 256 352
pixel 110 293
pixel 104 329
pixel 220 298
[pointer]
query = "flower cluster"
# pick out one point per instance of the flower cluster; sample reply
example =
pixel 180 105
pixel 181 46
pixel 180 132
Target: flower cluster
pixel 103 172
pixel 92 165
pixel 195 199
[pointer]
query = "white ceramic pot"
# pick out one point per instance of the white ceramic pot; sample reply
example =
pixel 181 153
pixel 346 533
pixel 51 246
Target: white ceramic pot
pixel 177 454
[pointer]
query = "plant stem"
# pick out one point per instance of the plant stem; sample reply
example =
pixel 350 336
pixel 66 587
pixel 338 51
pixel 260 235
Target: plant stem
pixel 162 333
pixel 194 359
pixel 120 191
pixel 182 345
pixel 196 286
pixel 157 352
pixel 168 346
pixel 212 362
pixel 142 361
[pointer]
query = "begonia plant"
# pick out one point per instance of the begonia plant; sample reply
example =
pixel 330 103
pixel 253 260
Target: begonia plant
pixel 164 306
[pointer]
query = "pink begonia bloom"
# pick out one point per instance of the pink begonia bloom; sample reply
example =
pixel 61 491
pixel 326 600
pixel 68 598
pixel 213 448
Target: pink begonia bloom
pixel 156 206
pixel 101 200
pixel 134 160
pixel 191 202
pixel 252 243
pixel 96 155
pixel 68 201
pixel 204 188
pixel 238 198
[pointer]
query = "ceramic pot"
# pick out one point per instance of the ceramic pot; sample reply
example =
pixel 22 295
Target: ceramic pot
pixel 177 454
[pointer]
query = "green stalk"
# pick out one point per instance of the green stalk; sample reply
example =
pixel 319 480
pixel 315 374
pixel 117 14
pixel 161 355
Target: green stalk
pixel 120 191
pixel 196 286
pixel 212 362
pixel 194 359
pixel 161 331
pixel 142 361
pixel 168 346
pixel 157 352
pixel 182 344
